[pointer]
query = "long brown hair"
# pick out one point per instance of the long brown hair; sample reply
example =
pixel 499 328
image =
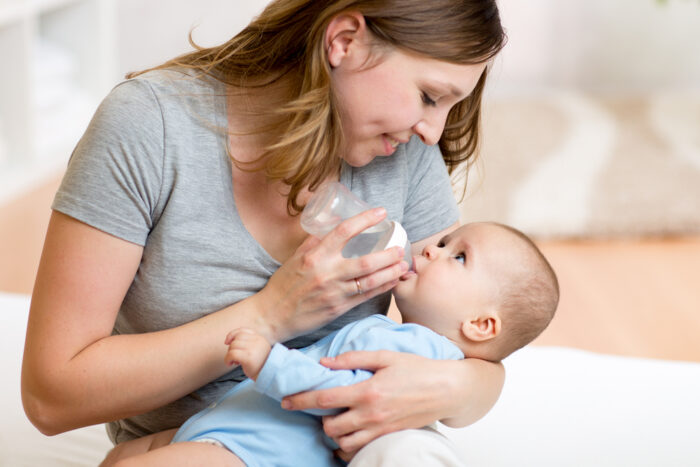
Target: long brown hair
pixel 286 40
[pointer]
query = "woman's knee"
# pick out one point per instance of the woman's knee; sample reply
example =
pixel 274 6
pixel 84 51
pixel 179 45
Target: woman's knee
pixel 420 447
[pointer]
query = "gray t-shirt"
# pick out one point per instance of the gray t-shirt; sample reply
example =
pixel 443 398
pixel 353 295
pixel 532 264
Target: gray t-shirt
pixel 152 169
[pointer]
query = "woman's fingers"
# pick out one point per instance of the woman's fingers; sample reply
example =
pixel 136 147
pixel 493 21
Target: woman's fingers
pixel 351 443
pixel 376 271
pixel 343 232
pixel 317 284
pixel 342 396
pixel 366 360
pixel 377 268
pixel 356 299
pixel 334 398
pixel 372 270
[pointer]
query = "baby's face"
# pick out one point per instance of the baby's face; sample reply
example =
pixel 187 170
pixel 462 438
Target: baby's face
pixel 454 279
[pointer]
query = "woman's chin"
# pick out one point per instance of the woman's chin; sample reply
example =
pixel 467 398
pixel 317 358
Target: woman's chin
pixel 359 161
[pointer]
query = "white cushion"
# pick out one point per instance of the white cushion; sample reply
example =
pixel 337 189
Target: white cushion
pixel 20 443
pixel 567 407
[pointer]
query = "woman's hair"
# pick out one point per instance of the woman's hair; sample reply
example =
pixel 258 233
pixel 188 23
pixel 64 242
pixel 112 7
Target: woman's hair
pixel 287 41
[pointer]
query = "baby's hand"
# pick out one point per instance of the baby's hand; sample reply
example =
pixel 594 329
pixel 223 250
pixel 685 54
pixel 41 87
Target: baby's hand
pixel 248 349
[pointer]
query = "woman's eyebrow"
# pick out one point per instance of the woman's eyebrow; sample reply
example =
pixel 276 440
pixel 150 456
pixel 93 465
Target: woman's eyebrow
pixel 455 91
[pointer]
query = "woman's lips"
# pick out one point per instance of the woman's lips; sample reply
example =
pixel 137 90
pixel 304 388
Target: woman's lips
pixel 390 144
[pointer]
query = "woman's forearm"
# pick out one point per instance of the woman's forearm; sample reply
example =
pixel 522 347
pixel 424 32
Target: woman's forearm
pixel 476 386
pixel 123 375
pixel 75 372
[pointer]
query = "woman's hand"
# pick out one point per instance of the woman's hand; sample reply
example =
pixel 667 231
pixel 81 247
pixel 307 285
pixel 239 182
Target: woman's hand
pixel 317 284
pixel 406 391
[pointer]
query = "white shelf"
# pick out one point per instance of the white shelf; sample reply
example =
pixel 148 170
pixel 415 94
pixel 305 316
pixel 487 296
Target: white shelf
pixel 62 63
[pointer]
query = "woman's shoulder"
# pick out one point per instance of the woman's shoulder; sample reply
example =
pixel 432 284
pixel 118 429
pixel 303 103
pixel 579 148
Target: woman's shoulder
pixel 178 80
pixel 178 97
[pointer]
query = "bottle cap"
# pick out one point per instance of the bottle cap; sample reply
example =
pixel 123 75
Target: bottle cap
pixel 396 236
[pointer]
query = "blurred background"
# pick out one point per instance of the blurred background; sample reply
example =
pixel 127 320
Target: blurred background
pixel 592 143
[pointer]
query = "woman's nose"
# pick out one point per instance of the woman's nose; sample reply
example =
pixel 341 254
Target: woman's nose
pixel 430 127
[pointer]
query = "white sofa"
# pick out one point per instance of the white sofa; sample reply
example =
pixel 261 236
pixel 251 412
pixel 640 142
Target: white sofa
pixel 560 407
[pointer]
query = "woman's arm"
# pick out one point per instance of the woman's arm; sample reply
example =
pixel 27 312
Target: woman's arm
pixel 75 373
pixel 406 391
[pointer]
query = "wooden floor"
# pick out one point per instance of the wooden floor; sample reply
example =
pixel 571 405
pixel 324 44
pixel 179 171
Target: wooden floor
pixel 635 298
pixel 639 298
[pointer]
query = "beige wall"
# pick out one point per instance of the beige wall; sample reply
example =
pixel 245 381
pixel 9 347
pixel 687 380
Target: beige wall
pixel 151 31
pixel 593 45
pixel 611 46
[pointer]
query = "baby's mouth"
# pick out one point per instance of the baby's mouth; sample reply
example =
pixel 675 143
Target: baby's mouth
pixel 406 276
pixel 411 271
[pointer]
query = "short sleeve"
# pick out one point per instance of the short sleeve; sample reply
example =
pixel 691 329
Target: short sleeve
pixel 430 205
pixel 114 176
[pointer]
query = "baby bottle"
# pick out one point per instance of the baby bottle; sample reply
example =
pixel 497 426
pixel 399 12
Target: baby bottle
pixel 332 203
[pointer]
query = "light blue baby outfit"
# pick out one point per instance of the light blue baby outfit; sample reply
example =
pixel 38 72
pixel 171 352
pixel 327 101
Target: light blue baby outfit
pixel 249 421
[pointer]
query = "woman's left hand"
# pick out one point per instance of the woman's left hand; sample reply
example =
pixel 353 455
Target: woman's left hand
pixel 406 391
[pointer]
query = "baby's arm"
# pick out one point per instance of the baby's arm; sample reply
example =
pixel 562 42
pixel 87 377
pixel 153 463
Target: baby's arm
pixel 280 372
pixel 289 371
pixel 285 372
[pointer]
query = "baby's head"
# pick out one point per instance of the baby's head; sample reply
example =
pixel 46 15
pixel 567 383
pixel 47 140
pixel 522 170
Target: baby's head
pixel 485 286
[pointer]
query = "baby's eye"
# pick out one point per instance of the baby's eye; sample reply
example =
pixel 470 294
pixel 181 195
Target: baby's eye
pixel 440 244
pixel 461 257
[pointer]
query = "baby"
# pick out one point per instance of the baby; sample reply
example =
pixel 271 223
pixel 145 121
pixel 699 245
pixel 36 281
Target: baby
pixel 484 291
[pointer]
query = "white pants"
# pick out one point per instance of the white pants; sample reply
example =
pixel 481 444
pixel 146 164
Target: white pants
pixel 425 447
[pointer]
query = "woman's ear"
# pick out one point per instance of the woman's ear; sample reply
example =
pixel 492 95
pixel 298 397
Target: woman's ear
pixel 342 36
pixel 481 328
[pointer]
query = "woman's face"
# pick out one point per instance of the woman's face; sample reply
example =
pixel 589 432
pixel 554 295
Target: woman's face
pixel 382 104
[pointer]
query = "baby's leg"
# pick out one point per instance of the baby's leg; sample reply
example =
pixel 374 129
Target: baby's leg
pixel 138 446
pixel 185 454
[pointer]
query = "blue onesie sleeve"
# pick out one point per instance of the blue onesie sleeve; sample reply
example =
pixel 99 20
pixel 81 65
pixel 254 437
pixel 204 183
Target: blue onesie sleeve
pixel 289 371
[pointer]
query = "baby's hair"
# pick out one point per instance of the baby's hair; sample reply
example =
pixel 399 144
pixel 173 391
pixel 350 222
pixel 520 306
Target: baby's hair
pixel 529 300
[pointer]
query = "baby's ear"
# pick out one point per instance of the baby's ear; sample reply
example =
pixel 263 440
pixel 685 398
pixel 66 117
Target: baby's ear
pixel 481 328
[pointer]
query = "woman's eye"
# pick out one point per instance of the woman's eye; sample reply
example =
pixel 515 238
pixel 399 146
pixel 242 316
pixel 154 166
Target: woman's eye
pixel 462 258
pixel 427 100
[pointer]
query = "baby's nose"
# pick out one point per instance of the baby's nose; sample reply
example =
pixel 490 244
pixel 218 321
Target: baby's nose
pixel 430 251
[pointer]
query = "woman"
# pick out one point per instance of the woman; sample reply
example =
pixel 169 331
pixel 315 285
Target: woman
pixel 177 218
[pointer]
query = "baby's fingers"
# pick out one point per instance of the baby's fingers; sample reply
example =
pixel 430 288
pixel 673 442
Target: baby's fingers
pixel 235 334
pixel 235 355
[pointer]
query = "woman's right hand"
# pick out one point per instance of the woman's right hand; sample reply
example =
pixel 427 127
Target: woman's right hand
pixel 317 284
